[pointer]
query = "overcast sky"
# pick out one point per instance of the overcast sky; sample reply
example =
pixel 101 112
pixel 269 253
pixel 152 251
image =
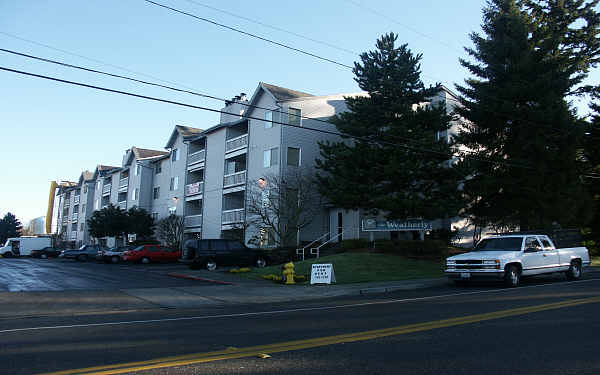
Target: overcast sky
pixel 52 131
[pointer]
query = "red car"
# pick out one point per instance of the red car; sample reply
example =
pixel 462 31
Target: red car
pixel 151 253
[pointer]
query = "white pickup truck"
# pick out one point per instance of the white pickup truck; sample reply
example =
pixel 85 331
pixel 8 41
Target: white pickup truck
pixel 509 257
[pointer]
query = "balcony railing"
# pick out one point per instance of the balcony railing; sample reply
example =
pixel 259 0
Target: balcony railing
pixel 67 204
pixel 74 235
pixel 233 179
pixel 193 221
pixel 123 205
pixel 232 216
pixel 123 183
pixel 76 199
pixel 236 143
pixel 106 189
pixel 194 189
pixel 196 157
pixel 74 217
pixel 65 220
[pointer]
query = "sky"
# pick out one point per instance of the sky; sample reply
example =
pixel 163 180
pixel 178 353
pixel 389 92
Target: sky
pixel 52 131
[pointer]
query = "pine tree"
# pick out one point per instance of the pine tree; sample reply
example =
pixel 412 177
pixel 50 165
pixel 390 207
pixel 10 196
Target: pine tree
pixel 386 167
pixel 10 226
pixel 591 153
pixel 522 132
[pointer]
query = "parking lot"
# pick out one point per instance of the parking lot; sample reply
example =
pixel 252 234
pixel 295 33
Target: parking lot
pixel 29 274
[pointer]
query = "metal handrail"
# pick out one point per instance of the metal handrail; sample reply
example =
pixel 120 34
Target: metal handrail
pixel 318 248
pixel 309 245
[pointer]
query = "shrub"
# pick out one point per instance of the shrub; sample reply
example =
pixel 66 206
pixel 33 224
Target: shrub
pixel 355 244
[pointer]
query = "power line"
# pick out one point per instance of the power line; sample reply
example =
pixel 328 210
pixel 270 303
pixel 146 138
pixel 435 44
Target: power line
pixel 275 28
pixel 364 139
pixel 247 33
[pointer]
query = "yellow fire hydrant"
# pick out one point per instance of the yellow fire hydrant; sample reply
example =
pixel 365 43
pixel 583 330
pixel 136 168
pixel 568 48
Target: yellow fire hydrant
pixel 289 273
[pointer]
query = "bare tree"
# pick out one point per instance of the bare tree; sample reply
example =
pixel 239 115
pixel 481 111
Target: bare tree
pixel 170 230
pixel 278 207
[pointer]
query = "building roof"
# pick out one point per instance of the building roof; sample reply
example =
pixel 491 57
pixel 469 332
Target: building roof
pixel 185 131
pixel 144 153
pixel 281 93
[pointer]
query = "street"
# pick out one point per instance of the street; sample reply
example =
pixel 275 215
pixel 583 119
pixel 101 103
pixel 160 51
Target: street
pixel 540 328
pixel 29 274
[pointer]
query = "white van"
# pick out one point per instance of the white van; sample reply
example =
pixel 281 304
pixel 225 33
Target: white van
pixel 23 245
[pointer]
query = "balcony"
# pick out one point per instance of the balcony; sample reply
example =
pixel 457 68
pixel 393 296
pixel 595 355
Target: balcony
pixel 106 189
pixel 123 205
pixel 194 189
pixel 74 235
pixel 76 199
pixel 236 143
pixel 67 204
pixel 233 179
pixel 65 220
pixel 123 184
pixel 232 216
pixel 74 217
pixel 193 221
pixel 196 157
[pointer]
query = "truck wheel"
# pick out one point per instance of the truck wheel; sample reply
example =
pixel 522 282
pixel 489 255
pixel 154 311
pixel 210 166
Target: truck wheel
pixel 512 276
pixel 8 254
pixel 574 272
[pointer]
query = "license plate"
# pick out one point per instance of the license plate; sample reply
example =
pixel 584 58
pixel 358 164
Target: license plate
pixel 465 275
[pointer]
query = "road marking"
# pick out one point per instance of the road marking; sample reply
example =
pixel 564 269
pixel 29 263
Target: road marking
pixel 252 351
pixel 287 311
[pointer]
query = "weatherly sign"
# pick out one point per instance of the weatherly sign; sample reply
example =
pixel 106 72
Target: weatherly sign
pixel 374 225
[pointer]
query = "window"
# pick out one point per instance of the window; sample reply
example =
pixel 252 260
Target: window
pixel 84 188
pixel 97 204
pixel 271 157
pixel 158 168
pixel 547 245
pixel 81 227
pixel 156 192
pixel 83 208
pixel 293 156
pixel 174 183
pixel 74 227
pixel 155 216
pixel 135 194
pixel 294 117
pixel 175 154
pixel 98 185
pixel 137 170
pixel 172 210
pixel 268 119
pixel 532 242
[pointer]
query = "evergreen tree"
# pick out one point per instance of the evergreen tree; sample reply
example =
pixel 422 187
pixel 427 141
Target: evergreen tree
pixel 110 221
pixel 591 153
pixel 385 167
pixel 532 56
pixel 10 226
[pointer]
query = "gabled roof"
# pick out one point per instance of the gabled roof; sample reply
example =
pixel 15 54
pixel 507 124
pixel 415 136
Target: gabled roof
pixel 103 170
pixel 144 153
pixel 86 176
pixel 281 93
pixel 185 131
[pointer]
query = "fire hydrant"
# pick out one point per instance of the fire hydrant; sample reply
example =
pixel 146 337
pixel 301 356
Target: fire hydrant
pixel 288 273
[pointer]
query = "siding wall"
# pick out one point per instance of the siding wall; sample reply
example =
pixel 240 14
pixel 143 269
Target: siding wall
pixel 213 184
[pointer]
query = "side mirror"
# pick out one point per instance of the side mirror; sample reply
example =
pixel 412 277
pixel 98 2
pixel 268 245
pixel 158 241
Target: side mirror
pixel 531 250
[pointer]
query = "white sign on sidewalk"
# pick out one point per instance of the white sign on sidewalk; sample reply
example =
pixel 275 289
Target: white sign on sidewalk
pixel 322 274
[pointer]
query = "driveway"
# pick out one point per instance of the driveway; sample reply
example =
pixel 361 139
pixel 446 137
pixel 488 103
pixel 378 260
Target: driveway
pixel 29 274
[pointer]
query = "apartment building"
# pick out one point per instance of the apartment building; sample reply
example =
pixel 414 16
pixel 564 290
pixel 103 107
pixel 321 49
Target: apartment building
pixel 204 175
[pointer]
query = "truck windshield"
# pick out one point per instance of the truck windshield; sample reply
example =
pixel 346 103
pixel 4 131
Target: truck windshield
pixel 499 244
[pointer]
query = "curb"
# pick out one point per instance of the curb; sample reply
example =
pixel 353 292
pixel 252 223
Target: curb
pixel 188 277
pixel 394 288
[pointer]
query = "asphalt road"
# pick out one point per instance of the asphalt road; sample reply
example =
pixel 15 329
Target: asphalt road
pixel 30 274
pixel 540 328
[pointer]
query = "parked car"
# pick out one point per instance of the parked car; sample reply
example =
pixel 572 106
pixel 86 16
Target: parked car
pixel 114 254
pixel 151 253
pixel 510 257
pixel 47 252
pixel 82 254
pixel 210 253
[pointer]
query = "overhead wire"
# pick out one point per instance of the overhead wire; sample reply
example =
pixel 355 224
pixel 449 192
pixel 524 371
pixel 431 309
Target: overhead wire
pixel 364 139
pixel 283 45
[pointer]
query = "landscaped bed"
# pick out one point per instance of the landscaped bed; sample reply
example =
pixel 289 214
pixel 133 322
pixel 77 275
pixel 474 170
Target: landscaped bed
pixel 362 267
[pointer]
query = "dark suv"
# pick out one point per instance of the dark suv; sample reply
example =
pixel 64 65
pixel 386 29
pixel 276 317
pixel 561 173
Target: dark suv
pixel 210 253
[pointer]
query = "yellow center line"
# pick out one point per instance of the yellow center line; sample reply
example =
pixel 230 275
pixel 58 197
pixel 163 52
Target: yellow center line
pixel 315 342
